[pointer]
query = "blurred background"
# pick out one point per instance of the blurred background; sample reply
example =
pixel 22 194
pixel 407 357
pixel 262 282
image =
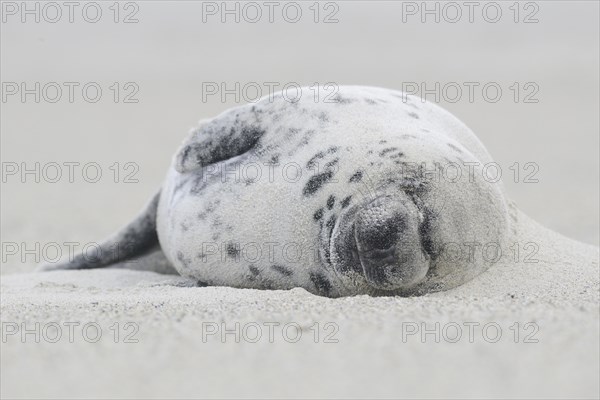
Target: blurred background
pixel 153 60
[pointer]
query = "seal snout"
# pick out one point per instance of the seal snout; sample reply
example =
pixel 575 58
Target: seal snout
pixel 386 232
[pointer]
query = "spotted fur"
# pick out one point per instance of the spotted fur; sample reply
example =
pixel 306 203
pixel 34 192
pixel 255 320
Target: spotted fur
pixel 345 200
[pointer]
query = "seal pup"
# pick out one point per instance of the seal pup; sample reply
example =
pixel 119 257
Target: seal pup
pixel 367 191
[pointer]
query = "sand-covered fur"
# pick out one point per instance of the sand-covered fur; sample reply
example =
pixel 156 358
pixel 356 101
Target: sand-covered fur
pixel 368 191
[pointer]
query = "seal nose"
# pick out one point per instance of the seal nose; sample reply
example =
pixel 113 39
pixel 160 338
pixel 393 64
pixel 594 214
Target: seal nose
pixel 379 224
pixel 388 243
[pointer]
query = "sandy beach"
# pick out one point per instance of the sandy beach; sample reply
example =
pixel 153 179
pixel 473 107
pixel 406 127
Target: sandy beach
pixel 461 343
pixel 529 327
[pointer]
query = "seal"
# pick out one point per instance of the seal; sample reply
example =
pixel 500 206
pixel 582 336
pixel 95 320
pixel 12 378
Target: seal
pixel 366 191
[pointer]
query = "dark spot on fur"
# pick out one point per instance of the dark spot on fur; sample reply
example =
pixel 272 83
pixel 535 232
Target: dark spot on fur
pixel 454 147
pixel 357 177
pixel 331 221
pixel 331 202
pixel 327 255
pixel 183 260
pixel 313 161
pixel 282 270
pixel 198 185
pixel 309 133
pixel 254 273
pixel 414 115
pixel 342 100
pixel 346 201
pixel 318 214
pixel 321 282
pixel 388 150
pixel 232 141
pixel 185 155
pixel 332 163
pixel 253 270
pixel 232 249
pixel 425 234
pixel 316 182
pixel 301 143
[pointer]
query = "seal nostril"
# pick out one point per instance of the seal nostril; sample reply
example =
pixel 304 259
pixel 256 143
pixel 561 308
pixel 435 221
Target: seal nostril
pixel 379 229
pixel 372 238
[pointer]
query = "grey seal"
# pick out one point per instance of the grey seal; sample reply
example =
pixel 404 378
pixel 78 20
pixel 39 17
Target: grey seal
pixel 344 196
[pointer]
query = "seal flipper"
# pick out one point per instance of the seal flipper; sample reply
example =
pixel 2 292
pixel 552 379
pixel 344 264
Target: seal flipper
pixel 137 239
pixel 216 141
